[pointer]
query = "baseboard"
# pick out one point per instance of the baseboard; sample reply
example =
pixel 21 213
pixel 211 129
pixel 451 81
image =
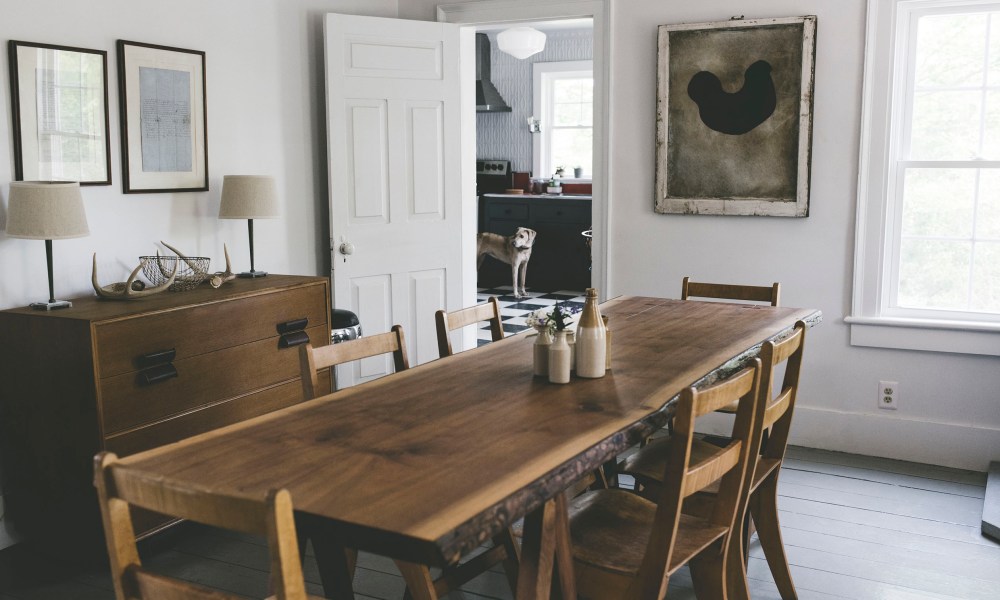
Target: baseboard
pixel 957 445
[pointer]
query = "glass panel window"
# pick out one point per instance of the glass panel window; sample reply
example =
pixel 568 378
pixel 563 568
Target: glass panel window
pixel 564 104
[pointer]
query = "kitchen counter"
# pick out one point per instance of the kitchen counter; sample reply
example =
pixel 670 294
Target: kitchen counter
pixel 541 196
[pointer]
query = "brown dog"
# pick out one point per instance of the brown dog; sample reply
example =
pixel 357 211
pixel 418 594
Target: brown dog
pixel 514 250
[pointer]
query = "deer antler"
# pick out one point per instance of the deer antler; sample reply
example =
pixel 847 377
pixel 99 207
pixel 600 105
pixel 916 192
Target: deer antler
pixel 127 289
pixel 223 276
pixel 199 272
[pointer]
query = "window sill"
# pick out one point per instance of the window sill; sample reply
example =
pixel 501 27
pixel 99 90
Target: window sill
pixel 924 334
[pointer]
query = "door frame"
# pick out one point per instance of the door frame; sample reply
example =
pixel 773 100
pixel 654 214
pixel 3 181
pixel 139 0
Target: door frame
pixel 490 12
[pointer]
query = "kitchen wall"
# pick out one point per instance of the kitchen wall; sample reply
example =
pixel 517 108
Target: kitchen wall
pixel 506 135
pixel 266 115
pixel 950 410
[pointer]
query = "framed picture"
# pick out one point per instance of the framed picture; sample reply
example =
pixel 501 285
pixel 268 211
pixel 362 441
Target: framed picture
pixel 59 97
pixel 163 118
pixel 734 117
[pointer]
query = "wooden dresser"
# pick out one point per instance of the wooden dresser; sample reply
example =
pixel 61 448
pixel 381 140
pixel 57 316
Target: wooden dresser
pixel 126 376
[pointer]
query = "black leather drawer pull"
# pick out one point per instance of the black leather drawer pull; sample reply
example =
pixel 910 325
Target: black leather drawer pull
pixel 293 338
pixel 157 374
pixel 293 325
pixel 153 359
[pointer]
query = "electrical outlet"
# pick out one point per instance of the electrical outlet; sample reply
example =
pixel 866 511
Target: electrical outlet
pixel 888 395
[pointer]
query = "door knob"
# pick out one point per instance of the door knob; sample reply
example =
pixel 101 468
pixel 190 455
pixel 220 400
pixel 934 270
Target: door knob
pixel 347 248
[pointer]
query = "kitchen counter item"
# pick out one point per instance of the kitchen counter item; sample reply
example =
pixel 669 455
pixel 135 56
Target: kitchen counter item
pixel 515 192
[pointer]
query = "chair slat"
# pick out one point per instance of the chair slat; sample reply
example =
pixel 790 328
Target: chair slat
pixel 728 291
pixel 703 474
pixel 463 317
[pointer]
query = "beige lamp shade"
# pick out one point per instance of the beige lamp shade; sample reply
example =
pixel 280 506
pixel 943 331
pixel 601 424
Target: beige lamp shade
pixel 249 197
pixel 42 210
pixel 521 42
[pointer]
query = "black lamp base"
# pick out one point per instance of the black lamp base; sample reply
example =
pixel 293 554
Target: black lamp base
pixel 252 274
pixel 54 305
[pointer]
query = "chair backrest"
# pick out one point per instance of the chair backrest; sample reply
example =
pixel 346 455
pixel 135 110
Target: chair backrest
pixel 312 359
pixel 687 474
pixel 778 410
pixel 119 487
pixel 726 291
pixel 447 322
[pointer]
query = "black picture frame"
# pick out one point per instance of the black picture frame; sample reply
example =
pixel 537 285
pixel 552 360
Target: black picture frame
pixel 77 119
pixel 164 118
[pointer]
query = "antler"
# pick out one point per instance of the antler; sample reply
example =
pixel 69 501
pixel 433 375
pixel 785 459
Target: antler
pixel 223 276
pixel 125 290
pixel 199 272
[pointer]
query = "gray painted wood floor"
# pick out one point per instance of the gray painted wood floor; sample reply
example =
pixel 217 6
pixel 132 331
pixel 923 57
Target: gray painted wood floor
pixel 854 527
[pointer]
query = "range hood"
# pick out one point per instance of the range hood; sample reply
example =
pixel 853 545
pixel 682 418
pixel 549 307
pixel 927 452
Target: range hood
pixel 487 97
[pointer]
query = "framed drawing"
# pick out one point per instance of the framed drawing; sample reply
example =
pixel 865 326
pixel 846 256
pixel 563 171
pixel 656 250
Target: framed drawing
pixel 59 97
pixel 163 118
pixel 734 117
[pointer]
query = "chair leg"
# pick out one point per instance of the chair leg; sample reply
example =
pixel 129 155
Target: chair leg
pixel 764 509
pixel 708 573
pixel 737 586
pixel 513 559
pixel 419 583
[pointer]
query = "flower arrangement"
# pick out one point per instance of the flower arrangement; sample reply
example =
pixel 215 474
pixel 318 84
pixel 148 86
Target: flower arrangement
pixel 558 318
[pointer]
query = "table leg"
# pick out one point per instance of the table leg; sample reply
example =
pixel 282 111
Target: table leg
pixel 336 563
pixel 419 583
pixel 546 548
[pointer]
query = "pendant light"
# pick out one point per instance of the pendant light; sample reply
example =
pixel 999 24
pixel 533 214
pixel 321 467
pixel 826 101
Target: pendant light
pixel 521 42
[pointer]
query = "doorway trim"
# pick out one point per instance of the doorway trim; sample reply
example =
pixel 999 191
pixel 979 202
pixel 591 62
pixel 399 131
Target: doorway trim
pixel 490 12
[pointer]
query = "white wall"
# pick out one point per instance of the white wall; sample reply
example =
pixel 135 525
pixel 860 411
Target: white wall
pixel 950 406
pixel 266 115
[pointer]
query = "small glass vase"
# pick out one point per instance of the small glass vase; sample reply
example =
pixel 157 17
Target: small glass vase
pixel 559 359
pixel 541 351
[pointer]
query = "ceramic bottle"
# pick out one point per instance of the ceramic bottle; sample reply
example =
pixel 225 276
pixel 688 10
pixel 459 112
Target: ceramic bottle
pixel 541 352
pixel 559 359
pixel 591 339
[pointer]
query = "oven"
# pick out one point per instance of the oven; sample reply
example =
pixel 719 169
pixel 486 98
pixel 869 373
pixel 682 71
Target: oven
pixel 492 177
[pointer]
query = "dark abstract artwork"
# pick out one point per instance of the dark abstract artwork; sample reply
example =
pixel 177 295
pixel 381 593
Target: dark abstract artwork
pixel 734 117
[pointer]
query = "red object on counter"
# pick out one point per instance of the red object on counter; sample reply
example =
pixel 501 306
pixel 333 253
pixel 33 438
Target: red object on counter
pixel 522 181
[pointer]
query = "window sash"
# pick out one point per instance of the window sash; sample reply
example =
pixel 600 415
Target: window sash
pixel 544 77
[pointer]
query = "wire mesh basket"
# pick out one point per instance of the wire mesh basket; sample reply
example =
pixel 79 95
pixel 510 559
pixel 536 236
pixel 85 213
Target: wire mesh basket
pixel 191 271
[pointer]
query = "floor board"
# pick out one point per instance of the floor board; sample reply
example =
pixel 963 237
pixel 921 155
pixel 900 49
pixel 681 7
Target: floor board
pixel 854 528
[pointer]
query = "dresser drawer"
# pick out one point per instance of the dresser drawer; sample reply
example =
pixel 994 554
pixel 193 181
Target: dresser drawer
pixel 210 417
pixel 507 210
pixel 196 330
pixel 201 380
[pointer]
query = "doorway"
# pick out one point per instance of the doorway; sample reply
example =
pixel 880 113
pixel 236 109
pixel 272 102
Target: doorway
pixel 489 15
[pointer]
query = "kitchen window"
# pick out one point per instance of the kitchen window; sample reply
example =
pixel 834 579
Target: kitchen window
pixel 564 102
pixel 927 261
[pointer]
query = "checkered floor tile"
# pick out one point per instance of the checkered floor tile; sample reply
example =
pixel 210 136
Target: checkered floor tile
pixel 513 311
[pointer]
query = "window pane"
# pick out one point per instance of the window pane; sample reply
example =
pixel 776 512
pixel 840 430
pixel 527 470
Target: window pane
pixel 570 90
pixel 939 202
pixel 991 135
pixel 988 209
pixel 572 148
pixel 994 68
pixel 934 274
pixel 567 115
pixel 945 125
pixel 950 50
pixel 986 277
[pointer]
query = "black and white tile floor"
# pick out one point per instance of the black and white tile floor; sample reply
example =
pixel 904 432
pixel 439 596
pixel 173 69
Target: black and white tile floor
pixel 514 311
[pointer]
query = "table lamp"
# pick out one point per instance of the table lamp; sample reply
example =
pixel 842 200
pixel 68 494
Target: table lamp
pixel 43 210
pixel 249 197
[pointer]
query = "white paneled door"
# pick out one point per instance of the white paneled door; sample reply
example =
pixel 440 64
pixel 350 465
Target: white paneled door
pixel 399 173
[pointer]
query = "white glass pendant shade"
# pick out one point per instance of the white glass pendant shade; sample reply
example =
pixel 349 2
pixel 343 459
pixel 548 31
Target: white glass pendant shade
pixel 521 42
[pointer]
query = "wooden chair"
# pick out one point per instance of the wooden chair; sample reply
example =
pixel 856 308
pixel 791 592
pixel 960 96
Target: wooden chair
pixel 726 291
pixel 119 488
pixel 447 322
pixel 625 546
pixel 646 465
pixel 312 359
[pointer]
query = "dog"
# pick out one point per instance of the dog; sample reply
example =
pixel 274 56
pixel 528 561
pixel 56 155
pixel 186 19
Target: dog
pixel 514 250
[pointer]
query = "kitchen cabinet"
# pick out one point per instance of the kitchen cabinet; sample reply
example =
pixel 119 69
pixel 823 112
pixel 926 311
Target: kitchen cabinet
pixel 560 258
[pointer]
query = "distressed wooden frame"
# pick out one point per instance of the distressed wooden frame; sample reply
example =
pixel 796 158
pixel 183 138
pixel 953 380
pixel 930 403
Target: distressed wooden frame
pixel 668 198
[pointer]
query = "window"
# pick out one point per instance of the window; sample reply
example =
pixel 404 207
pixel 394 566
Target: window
pixel 564 103
pixel 928 246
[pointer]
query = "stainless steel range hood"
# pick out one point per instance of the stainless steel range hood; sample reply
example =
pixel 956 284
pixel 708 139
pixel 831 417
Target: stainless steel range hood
pixel 487 97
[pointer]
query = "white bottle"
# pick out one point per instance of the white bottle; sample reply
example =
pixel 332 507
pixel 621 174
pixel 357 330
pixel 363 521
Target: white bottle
pixel 591 340
pixel 559 359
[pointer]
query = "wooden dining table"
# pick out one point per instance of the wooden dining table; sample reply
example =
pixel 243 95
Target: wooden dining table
pixel 425 465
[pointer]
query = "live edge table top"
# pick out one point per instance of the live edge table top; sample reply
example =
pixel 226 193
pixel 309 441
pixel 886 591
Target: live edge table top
pixel 426 464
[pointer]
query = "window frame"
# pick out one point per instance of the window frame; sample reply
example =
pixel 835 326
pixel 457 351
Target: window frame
pixel 542 72
pixel 886 111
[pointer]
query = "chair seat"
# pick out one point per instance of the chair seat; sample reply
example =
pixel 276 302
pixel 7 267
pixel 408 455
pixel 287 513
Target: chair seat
pixel 616 519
